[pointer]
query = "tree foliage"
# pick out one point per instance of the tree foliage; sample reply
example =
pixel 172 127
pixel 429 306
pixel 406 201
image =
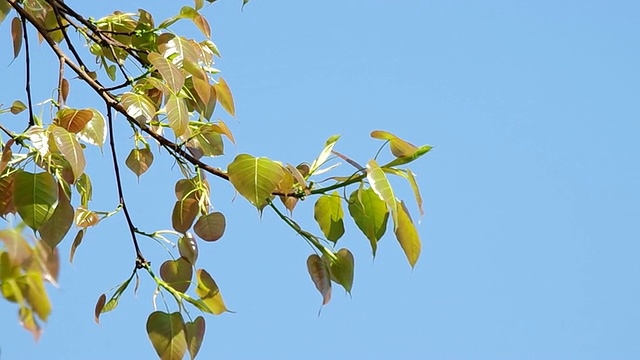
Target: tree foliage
pixel 171 99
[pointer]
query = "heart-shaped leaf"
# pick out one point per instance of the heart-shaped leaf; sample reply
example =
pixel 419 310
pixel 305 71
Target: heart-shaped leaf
pixel 167 335
pixel 177 273
pixel 210 227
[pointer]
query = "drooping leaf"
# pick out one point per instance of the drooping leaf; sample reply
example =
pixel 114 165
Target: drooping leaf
pixel 18 250
pixel 320 276
pixel 224 96
pixel 177 273
pixel 255 178
pixel 407 235
pixel 210 227
pixel 139 160
pixel 380 184
pixel 48 262
pixel 16 35
pixel 178 115
pixel 202 24
pixel 84 189
pixel 28 321
pixel 416 190
pixel 102 300
pixel 70 149
pixel 167 335
pixel 35 197
pixel 73 120
pixel 39 138
pixel 169 72
pixel 139 107
pixel 58 225
pixel 342 268
pixel 329 214
pixel 7 155
pixel 188 248
pixel 209 292
pixel 195 334
pixel 370 214
pixel 64 89
pixel 95 131
pixel 6 196
pixel 184 213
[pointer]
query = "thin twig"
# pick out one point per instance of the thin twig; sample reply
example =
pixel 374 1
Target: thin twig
pixel 27 61
pixel 60 81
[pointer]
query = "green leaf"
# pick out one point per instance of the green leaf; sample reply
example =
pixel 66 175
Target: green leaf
pixel 255 178
pixel 5 9
pixel 84 189
pixel 178 115
pixel 35 197
pixel 210 227
pixel 195 334
pixel 17 107
pixel 416 190
pixel 324 155
pixel 184 213
pixel 177 273
pixel 405 160
pixel 342 268
pixel 208 291
pixel 139 107
pixel 32 287
pixel 139 161
pixel 399 147
pixel 73 120
pixel 177 48
pixel 188 248
pixel 70 149
pixel 320 276
pixel 95 131
pixel 329 214
pixel 407 235
pixel 28 321
pixel 167 335
pixel 380 184
pixel 224 96
pixel 169 72
pixel 58 225
pixel 370 214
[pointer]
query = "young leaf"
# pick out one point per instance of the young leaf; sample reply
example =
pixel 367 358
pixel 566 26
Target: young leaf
pixel 329 214
pixel 6 196
pixel 139 107
pixel 76 242
pixel 17 107
pixel 224 96
pixel 405 160
pixel 70 149
pixel 95 131
pixel 184 213
pixel 139 161
pixel 39 139
pixel 167 335
pixel 399 147
pixel 64 89
pixel 28 321
pixel 210 227
pixel 177 273
pixel 255 178
pixel 380 184
pixel 188 248
pixel 169 72
pixel 35 197
pixel 202 24
pixel 32 287
pixel 73 120
pixel 55 229
pixel 370 214
pixel 178 115
pixel 195 334
pixel 320 276
pixel 324 155
pixel 342 268
pixel 102 300
pixel 416 190
pixel 208 291
pixel 407 235
pixel 16 35
pixel 17 249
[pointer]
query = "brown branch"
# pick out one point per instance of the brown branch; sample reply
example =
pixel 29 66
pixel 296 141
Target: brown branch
pixel 28 70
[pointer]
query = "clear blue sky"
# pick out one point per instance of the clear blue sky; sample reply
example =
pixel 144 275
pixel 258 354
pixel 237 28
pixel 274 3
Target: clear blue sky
pixel 531 192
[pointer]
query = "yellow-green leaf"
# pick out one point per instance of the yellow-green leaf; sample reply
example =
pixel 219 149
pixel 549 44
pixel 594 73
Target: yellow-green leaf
pixel 399 147
pixel 188 248
pixel 178 115
pixel 5 8
pixel 167 335
pixel 28 321
pixel 225 98
pixel 210 227
pixel 370 214
pixel 416 190
pixel 405 160
pixel 177 273
pixel 139 107
pixel 32 287
pixel 407 235
pixel 17 107
pixel 17 249
pixel 380 184
pixel 169 72
pixel 139 160
pixel 324 155
pixel 184 213
pixel 209 292
pixel 255 178
pixel 195 334
pixel 73 120
pixel 329 214
pixel 58 225
pixel 320 276
pixel 35 197
pixel 342 268
pixel 95 131
pixel 70 149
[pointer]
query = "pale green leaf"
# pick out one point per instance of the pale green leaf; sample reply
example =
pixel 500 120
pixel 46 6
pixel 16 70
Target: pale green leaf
pixel 69 148
pixel 405 160
pixel 35 197
pixel 399 147
pixel 95 131
pixel 169 72
pixel 324 155
pixel 407 235
pixel 39 138
pixel 178 115
pixel 416 190
pixel 177 48
pixel 209 292
pixel 139 107
pixel 370 214
pixel 17 106
pixel 167 335
pixel 380 184
pixel 329 215
pixel 255 178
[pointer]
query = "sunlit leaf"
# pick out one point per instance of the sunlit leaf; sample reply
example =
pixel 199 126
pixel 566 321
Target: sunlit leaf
pixel 167 335
pixel 169 72
pixel 84 189
pixel 407 235
pixel 95 131
pixel 370 214
pixel 17 249
pixel 55 229
pixel 320 276
pixel 70 149
pixel 342 268
pixel 5 9
pixel 176 48
pixel 177 273
pixel 224 96
pixel 255 178
pixel 380 184
pixel 139 107
pixel 195 334
pixel 329 214
pixel 73 120
pixel 17 107
pixel 184 213
pixel 210 227
pixel 399 147
pixel 85 218
pixel 76 242
pixel 188 248
pixel 35 197
pixel 416 190
pixel 139 160
pixel 202 24
pixel 324 155
pixel 32 287
pixel 208 291
pixel 28 321
pixel 16 35
pixel 178 115
pixel 39 138
pixel 405 160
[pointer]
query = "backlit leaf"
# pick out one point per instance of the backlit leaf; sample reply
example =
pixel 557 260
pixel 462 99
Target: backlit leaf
pixel 184 213
pixel 39 138
pixel 139 107
pixel 28 321
pixel 210 227
pixel 320 276
pixel 177 48
pixel 416 190
pixel 167 335
pixel 224 96
pixel 208 291
pixel 139 160
pixel 329 214
pixel 95 131
pixel 85 218
pixel 32 287
pixel 17 249
pixel 255 178
pixel 405 160
pixel 342 268
pixel 380 184
pixel 399 147
pixel 202 24
pixel 6 196
pixel 73 120
pixel 70 149
pixel 16 35
pixel 7 155
pixel 17 107
pixel 195 334
pixel 54 230
pixel 324 155
pixel 178 115
pixel 5 9
pixel 169 72
pixel 177 273
pixel 407 235
pixel 188 248
pixel 370 214
pixel 35 197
